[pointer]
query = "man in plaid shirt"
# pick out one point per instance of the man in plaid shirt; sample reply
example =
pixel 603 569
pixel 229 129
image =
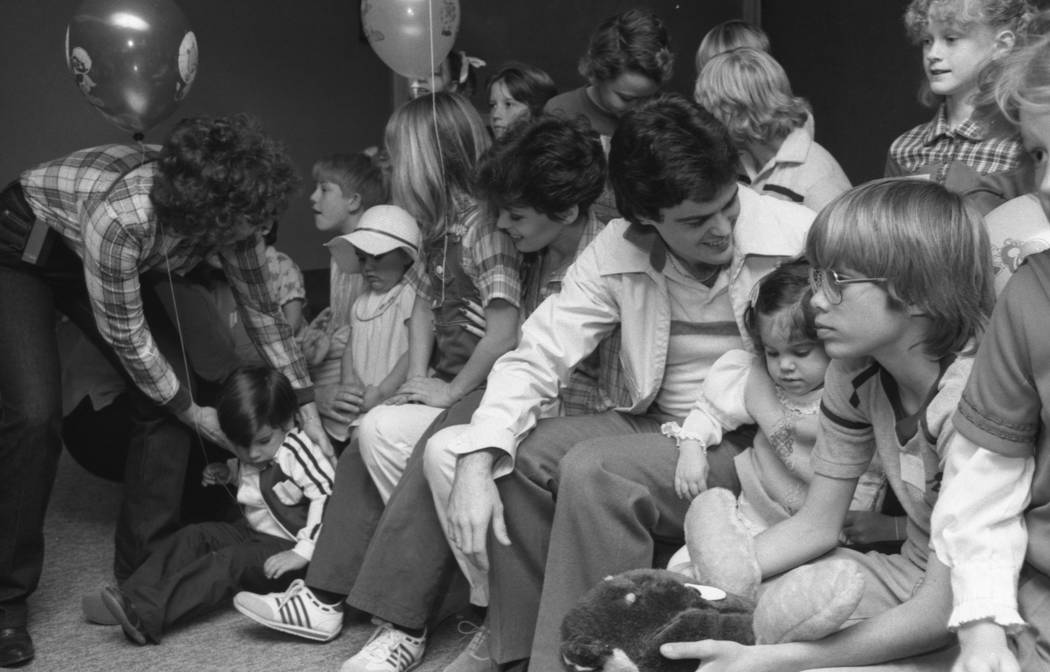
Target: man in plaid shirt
pixel 76 234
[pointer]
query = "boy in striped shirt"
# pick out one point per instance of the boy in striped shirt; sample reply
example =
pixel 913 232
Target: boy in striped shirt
pixel 283 483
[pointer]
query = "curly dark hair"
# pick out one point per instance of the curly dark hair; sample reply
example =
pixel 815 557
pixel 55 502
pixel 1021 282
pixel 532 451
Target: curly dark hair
pixel 218 175
pixel 549 164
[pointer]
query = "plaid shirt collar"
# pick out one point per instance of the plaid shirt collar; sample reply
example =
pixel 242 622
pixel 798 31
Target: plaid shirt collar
pixel 970 129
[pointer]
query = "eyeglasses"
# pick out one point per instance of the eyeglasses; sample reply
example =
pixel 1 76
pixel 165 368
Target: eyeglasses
pixel 830 283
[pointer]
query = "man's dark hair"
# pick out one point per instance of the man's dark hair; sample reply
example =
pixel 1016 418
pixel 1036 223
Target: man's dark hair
pixel 666 151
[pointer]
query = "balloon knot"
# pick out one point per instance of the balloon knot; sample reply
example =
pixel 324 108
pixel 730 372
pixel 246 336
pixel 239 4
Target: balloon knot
pixel 138 137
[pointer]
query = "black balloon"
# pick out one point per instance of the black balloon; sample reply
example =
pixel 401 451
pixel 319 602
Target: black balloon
pixel 134 60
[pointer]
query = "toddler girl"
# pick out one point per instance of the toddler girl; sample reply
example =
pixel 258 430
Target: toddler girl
pixel 381 249
pixel 780 391
pixel 283 482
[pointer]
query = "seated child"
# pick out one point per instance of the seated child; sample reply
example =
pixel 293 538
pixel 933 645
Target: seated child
pixel 517 93
pixel 736 34
pixel 989 526
pixel 749 92
pixel 729 35
pixel 628 61
pixel 283 481
pixel 381 248
pixel 345 186
pixel 781 394
pixel 959 38
pixel 902 286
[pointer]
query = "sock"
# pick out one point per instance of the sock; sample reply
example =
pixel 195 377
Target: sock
pixel 411 632
pixel 328 597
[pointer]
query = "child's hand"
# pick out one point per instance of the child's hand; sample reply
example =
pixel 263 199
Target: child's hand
pixel 868 527
pixel 475 316
pixel 216 473
pixel 690 476
pixel 372 398
pixel 984 649
pixel 285 561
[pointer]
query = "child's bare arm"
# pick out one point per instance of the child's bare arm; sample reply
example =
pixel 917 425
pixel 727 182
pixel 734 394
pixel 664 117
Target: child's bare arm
pixel 375 395
pixel 420 338
pixel 501 335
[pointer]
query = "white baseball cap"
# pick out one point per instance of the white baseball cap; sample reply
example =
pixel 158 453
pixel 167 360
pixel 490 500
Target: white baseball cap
pixel 382 228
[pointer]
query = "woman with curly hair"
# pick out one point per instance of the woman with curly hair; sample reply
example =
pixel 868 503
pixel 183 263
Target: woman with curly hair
pixel 749 92
pixel 86 234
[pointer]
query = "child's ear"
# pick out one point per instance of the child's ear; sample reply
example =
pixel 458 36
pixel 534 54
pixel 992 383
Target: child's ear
pixel 1004 42
pixel 353 202
pixel 569 215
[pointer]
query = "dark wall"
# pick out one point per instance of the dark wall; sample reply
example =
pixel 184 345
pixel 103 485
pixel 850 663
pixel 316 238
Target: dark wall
pixel 299 66
pixel 853 61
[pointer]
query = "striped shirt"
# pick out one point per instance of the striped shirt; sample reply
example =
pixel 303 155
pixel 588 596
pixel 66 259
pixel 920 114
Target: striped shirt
pixel 120 238
pixel 313 478
pixel 932 148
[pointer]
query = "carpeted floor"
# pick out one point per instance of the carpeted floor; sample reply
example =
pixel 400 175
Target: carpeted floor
pixel 78 561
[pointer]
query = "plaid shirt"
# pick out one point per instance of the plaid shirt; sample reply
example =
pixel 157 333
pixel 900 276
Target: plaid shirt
pixel 119 238
pixel 489 259
pixel 933 146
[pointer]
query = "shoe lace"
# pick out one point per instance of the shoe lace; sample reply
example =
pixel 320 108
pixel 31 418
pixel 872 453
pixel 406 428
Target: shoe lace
pixel 383 643
pixel 479 635
pixel 294 589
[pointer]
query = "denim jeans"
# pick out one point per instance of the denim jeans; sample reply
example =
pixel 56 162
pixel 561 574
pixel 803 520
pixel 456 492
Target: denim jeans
pixel 30 401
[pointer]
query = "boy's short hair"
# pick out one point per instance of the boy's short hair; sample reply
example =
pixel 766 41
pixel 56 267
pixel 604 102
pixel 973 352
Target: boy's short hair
pixel 253 397
pixel 636 41
pixel 666 151
pixel 749 92
pixel 931 245
pixel 728 35
pixel 549 164
pixel 526 84
pixel 216 174
pixel 354 174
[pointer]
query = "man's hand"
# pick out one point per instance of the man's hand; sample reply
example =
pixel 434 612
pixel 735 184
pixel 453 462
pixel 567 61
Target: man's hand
pixel 205 421
pixel 311 423
pixel 473 505
pixel 430 391
pixel 285 561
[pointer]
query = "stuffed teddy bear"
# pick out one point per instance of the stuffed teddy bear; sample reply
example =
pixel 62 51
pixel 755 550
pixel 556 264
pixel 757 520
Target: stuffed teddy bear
pixel 620 624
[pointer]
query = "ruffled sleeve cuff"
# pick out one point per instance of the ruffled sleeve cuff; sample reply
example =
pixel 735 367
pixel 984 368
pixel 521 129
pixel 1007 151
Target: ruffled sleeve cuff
pixel 985 592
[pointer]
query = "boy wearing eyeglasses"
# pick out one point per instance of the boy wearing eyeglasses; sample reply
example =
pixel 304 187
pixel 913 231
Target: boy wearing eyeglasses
pixel 902 285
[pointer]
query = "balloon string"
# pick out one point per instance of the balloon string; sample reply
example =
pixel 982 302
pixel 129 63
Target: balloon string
pixel 437 136
pixel 178 326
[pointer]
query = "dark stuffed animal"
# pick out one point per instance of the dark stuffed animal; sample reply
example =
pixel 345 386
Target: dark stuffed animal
pixel 620 624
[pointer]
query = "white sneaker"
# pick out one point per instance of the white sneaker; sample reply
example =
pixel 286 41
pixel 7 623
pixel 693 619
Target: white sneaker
pixel 388 650
pixel 296 611
pixel 474 658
